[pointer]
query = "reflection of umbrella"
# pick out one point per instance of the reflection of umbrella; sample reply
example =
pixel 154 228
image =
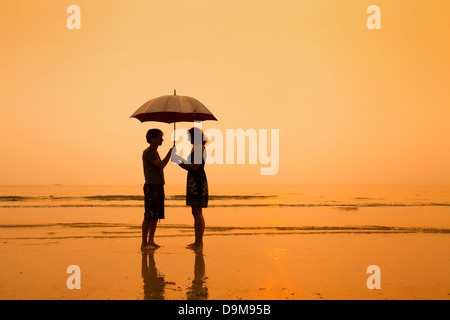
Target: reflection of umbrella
pixel 173 108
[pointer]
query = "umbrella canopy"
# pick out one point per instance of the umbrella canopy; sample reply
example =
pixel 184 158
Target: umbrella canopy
pixel 173 108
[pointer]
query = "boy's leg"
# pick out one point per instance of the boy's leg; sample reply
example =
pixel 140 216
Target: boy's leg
pixel 158 213
pixel 145 231
pixel 145 227
pixel 146 223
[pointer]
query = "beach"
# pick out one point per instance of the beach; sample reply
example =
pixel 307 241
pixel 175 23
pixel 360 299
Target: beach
pixel 323 157
pixel 251 252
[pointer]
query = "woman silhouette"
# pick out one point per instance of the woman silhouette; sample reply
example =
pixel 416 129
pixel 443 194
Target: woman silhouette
pixel 197 184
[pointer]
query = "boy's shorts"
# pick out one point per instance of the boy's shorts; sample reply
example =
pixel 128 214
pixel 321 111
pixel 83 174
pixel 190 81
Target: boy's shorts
pixel 154 201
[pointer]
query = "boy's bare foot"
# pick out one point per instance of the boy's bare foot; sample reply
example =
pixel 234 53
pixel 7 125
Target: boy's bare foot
pixel 147 247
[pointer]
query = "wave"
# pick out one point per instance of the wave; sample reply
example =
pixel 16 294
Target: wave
pixel 343 206
pixel 217 228
pixel 179 197
pixel 119 230
pixel 217 201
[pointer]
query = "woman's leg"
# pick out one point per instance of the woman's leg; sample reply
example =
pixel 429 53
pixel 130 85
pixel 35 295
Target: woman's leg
pixel 199 226
pixel 151 233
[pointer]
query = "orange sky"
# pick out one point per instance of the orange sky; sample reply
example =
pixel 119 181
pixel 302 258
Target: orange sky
pixel 353 105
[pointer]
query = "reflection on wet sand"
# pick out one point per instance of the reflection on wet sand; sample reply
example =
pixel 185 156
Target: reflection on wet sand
pixel 154 282
pixel 198 290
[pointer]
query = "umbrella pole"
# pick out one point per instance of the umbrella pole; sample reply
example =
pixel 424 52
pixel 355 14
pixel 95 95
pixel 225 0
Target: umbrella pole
pixel 174 93
pixel 174 122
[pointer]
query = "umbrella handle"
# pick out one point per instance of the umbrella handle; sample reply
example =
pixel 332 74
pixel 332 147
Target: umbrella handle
pixel 174 134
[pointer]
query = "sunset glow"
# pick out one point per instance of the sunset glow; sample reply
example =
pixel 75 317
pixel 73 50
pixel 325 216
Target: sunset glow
pixel 353 105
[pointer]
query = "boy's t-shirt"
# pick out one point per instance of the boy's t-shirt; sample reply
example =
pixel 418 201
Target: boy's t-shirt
pixel 153 174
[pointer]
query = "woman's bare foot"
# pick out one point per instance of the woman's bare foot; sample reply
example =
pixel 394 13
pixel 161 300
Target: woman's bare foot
pixel 147 247
pixel 195 246
pixel 154 245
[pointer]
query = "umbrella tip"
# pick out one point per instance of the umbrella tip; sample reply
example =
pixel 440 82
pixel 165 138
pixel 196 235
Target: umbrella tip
pixel 174 92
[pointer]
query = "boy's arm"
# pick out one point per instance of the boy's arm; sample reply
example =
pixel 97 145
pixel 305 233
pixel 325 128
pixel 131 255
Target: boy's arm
pixel 162 163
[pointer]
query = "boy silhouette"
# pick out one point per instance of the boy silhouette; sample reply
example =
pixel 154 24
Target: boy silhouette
pixel 153 188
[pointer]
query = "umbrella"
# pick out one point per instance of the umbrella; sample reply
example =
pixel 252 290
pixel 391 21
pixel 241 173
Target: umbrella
pixel 173 108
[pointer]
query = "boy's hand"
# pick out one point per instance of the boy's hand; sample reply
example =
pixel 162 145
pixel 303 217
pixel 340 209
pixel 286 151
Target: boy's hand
pixel 176 158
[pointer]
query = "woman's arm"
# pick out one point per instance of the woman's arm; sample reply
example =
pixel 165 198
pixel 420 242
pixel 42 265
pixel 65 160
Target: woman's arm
pixel 188 166
pixel 182 162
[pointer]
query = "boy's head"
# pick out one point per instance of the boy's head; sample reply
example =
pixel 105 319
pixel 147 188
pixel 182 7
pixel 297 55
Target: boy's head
pixel 154 134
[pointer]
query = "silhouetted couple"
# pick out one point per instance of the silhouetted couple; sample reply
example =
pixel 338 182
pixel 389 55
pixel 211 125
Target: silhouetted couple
pixel 196 187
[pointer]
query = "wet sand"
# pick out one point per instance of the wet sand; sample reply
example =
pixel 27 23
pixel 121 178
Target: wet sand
pixel 265 263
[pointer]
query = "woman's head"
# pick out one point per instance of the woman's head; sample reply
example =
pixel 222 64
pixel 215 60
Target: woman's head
pixel 197 132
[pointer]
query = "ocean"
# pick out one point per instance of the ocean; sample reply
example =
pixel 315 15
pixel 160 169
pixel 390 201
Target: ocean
pixel 261 242
pixel 64 211
pixel 349 197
